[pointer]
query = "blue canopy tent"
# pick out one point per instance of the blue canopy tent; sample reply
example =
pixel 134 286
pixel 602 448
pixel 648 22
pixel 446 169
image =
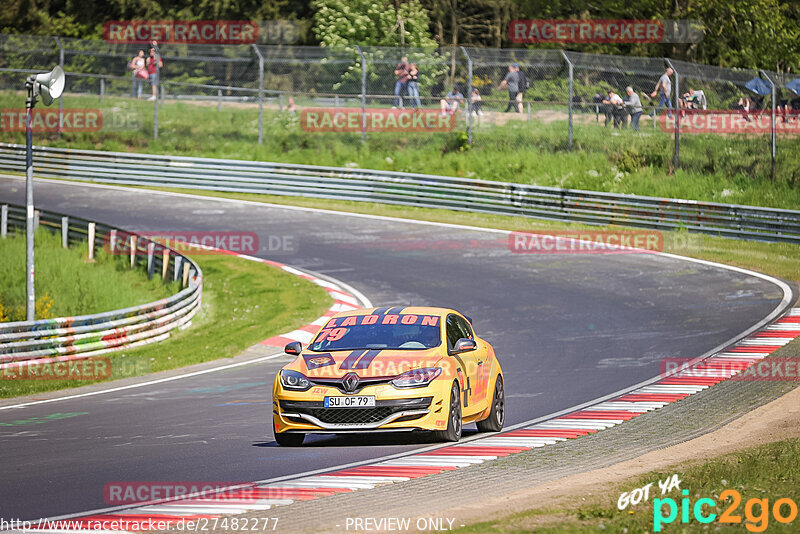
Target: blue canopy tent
pixel 759 86
pixel 794 86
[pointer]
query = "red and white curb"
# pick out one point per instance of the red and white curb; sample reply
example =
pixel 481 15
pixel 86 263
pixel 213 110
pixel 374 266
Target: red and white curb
pixel 587 420
pixel 343 300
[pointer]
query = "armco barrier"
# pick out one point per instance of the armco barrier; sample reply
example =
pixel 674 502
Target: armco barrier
pixel 91 335
pixel 743 222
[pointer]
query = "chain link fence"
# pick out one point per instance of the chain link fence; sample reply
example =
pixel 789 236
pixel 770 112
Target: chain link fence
pixel 500 98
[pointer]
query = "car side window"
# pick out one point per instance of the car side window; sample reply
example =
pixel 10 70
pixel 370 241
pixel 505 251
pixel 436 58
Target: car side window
pixel 453 331
pixel 464 328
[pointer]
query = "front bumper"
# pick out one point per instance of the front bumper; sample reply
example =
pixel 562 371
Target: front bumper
pixel 412 409
pixel 384 413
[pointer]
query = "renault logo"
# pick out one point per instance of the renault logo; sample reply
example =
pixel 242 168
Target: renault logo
pixel 350 382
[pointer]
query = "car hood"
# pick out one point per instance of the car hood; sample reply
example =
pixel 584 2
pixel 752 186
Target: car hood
pixel 365 363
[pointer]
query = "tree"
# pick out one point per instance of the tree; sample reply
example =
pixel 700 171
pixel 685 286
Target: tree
pixel 371 23
pixel 343 24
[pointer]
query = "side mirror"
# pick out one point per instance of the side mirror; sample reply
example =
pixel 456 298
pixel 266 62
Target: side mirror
pixel 294 348
pixel 464 345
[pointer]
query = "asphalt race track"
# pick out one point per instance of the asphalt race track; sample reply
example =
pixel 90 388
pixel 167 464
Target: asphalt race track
pixel 568 328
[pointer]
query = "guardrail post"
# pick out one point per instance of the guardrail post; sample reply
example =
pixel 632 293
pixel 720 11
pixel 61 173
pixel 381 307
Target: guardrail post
pixel 219 99
pixel 176 269
pixel 774 148
pixel 363 94
pixel 164 263
pixel 60 98
pixel 185 279
pixel 91 240
pixel 4 221
pixel 64 232
pixel 571 94
pixel 133 251
pixel 112 241
pixel 260 94
pixel 151 249
pixel 102 88
pixel 469 94
pixel 676 160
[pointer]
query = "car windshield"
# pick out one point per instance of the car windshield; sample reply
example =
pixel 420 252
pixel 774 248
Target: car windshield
pixel 396 332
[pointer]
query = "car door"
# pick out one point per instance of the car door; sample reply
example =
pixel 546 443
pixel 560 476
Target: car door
pixel 456 329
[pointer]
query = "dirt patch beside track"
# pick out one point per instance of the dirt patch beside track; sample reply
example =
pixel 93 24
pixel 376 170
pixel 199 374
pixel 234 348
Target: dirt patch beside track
pixel 778 420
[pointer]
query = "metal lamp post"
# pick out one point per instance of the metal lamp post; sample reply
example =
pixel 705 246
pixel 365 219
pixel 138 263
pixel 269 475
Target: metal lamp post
pixel 47 86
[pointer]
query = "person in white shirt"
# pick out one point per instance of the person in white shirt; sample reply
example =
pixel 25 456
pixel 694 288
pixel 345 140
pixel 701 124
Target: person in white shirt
pixel 615 107
pixel 138 73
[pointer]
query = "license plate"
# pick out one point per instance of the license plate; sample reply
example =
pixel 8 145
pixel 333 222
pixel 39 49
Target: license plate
pixel 356 401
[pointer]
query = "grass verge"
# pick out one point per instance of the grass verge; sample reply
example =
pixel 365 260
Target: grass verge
pixel 68 283
pixel 244 302
pixel 768 471
pixel 732 168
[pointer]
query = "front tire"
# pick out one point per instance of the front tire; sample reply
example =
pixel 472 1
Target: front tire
pixel 497 416
pixel 290 439
pixel 454 423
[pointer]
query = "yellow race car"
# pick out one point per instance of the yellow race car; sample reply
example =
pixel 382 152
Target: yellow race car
pixel 389 369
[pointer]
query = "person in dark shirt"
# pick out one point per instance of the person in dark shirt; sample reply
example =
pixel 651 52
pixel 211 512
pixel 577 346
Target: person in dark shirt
pixel 400 86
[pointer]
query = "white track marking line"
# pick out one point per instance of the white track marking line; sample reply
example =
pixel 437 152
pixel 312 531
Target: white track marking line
pixel 418 462
pixel 631 406
pixel 574 423
pixel 143 384
pixel 669 388
pixel 766 341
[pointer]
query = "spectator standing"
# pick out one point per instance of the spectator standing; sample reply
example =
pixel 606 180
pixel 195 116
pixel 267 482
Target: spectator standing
pixel 451 102
pixel 154 63
pixel 634 104
pixel 413 86
pixel 663 89
pixel 401 85
pixel 139 73
pixel 615 109
pixel 524 85
pixel 512 82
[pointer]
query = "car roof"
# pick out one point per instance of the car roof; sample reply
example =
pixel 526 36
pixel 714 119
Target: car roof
pixel 415 310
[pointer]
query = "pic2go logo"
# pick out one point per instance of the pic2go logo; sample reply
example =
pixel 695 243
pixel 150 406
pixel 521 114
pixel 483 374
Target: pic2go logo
pixel 757 521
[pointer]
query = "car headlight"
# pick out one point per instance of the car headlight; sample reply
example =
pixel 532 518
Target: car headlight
pixel 417 378
pixel 294 381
